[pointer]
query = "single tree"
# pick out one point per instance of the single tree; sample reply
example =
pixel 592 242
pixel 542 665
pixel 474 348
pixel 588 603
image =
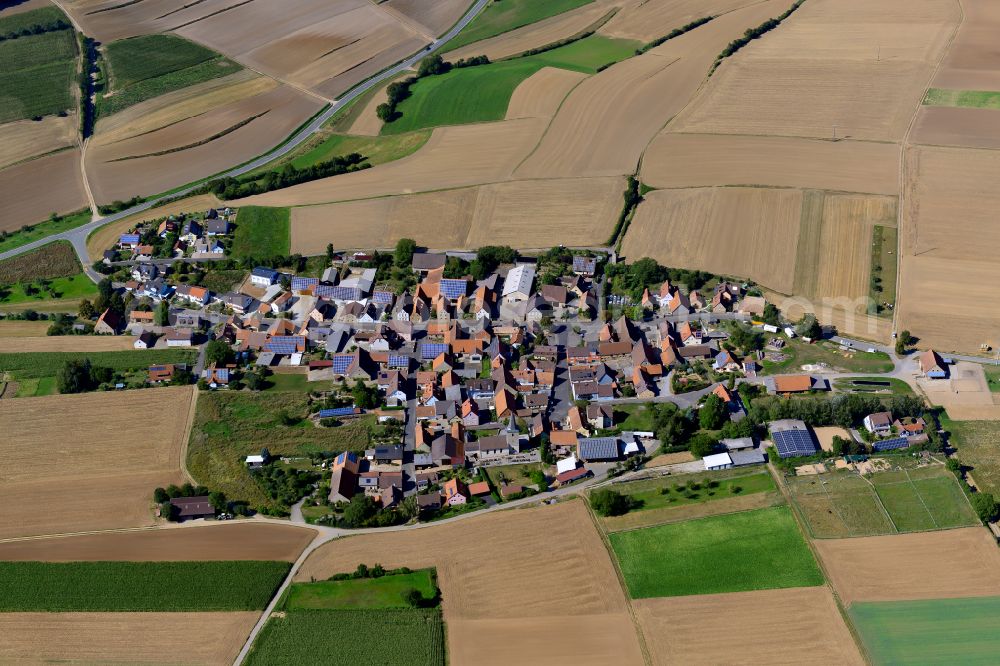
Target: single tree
pixel 713 413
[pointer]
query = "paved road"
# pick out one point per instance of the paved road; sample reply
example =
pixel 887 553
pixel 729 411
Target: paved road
pixel 78 236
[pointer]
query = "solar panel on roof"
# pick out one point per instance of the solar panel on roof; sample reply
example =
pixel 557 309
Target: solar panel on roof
pixel 397 361
pixel 598 448
pixel 341 362
pixel 336 412
pixel 431 350
pixel 338 293
pixel 453 289
pixel 285 344
pixel 301 283
pixel 791 443
pixel 890 444
pixel 382 297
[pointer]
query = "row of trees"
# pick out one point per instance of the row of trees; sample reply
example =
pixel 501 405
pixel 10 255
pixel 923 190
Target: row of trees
pixel 754 33
pixel 37 29
pixel 244 186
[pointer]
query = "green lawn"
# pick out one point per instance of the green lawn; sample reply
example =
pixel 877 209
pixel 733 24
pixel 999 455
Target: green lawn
pixel 481 94
pixel 992 377
pixel 262 232
pixel 288 382
pixel 231 425
pixel 937 631
pixel 884 248
pixel 978 99
pixel 152 65
pixel 139 586
pixel 378 149
pixel 36 387
pixel 75 286
pixel 801 353
pixel 842 504
pixel 978 444
pixel 507 15
pixel 387 637
pixel 384 592
pixel 883 385
pixel 683 491
pixel 33 365
pixel 753 550
pixel 31 233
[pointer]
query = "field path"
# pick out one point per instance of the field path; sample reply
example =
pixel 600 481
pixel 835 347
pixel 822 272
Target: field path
pixel 904 222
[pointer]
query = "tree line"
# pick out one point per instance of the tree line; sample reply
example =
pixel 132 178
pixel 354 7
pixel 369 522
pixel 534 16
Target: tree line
pixel 37 29
pixel 752 34
pixel 433 65
pixel 244 186
pixel 676 32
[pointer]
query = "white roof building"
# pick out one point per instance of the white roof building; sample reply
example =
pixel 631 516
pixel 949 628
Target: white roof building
pixel 567 464
pixel 255 460
pixel 517 285
pixel 718 461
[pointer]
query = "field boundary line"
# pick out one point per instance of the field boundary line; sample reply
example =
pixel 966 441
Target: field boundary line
pixel 916 491
pixel 646 655
pixel 712 515
pixel 192 410
pixel 881 505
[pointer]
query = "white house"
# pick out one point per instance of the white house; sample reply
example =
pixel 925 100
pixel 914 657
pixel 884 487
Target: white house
pixel 879 423
pixel 717 461
pixel 517 285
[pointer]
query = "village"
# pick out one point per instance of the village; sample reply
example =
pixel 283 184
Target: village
pixel 537 364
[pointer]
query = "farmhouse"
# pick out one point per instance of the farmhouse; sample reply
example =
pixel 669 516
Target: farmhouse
pixel 109 323
pixel 517 284
pixel 879 423
pixel 932 366
pixel 192 507
pixel 792 438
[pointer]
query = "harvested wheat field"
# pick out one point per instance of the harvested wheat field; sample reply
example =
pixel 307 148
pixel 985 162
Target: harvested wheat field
pixel 608 120
pixel 747 232
pixel 947 247
pixel 125 638
pixel 455 156
pixel 434 17
pixel 108 20
pixel 793 626
pixel 646 20
pixel 103 238
pixel 65 343
pixel 381 222
pixel 545 213
pixel 201 145
pixel 853 64
pixel 24 139
pixel 540 95
pixel 542 33
pixel 946 564
pixel 503 579
pixel 368 123
pixel 955 126
pixel 211 542
pixel 13 328
pixel 973 62
pixel 32 190
pixel 94 467
pixel 702 160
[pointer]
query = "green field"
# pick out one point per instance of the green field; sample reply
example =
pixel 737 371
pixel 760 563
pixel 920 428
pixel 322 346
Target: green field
pixel 231 425
pixel 36 387
pixel 501 17
pixel 682 491
pixel 937 631
pixel 262 232
pixel 882 287
pixel 978 444
pixel 38 72
pixel 387 637
pixel 30 365
pixel 977 99
pixel 384 592
pixel 23 236
pixel 378 149
pixel 139 586
pixel 152 65
pixel 482 93
pixel 753 550
pixel 75 286
pixel 842 504
pixel 798 353
pixel 221 280
pixel 992 373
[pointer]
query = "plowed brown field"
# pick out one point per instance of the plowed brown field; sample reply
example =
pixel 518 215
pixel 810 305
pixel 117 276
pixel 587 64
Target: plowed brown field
pixel 516 579
pixel 853 64
pixel 198 146
pixel 219 541
pixel 944 260
pixel 30 191
pixel 926 565
pixel 89 461
pixel 124 638
pixel 453 157
pixel 960 127
pixel 700 160
pixel 65 343
pixel 793 626
pixel 747 232
pixel 609 119
pixel 540 95
pixel 973 62
pixel 434 16
pixel 26 138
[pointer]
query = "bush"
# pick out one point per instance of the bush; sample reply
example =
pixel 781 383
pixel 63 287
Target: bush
pixel 986 506
pixel 610 503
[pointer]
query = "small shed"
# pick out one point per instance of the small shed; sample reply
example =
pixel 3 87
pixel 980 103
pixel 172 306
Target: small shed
pixel 717 461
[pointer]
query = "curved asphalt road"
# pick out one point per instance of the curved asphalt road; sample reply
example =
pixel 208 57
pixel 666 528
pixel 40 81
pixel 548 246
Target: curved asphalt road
pixel 78 236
